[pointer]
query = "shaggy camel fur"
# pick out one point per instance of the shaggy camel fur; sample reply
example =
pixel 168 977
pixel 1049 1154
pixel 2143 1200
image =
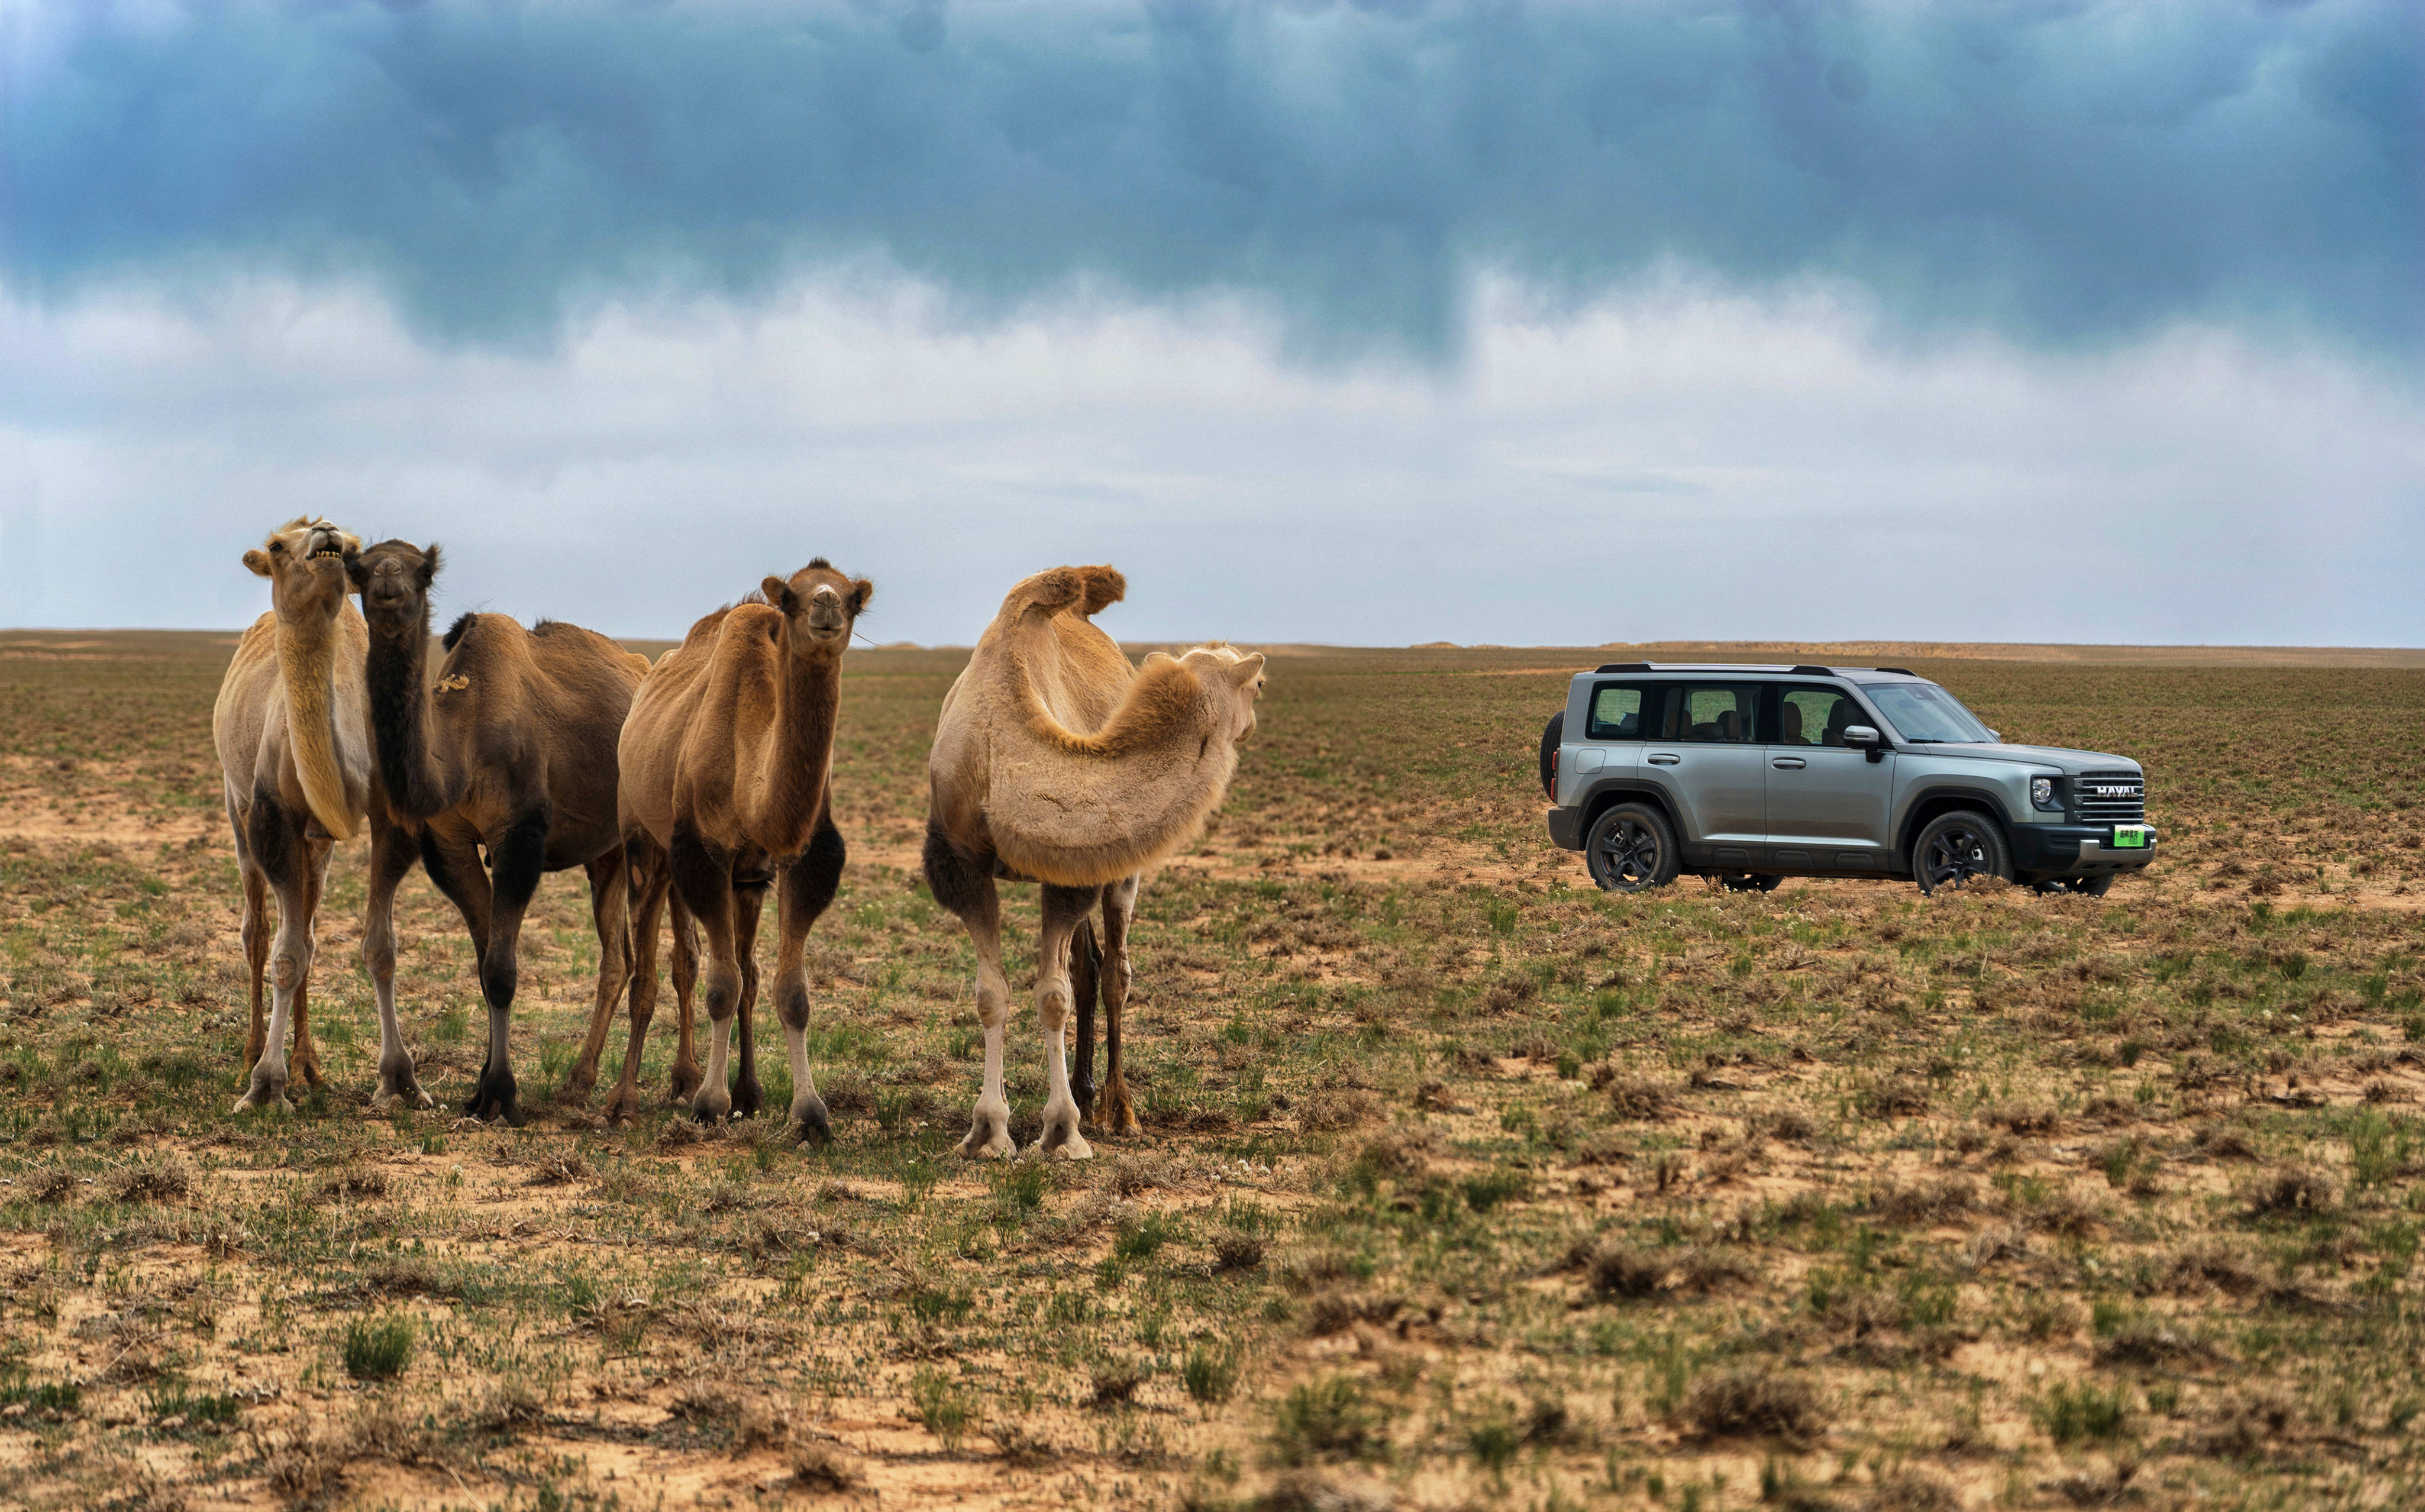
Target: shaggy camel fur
pixel 290 729
pixel 1056 761
pixel 726 762
pixel 513 750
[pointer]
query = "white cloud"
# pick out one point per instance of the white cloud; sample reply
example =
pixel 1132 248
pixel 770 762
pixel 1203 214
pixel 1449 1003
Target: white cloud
pixel 1672 461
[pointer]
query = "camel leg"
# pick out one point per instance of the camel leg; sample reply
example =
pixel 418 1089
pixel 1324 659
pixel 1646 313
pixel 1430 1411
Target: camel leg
pixel 1086 979
pixel 684 1080
pixel 967 891
pixel 646 867
pixel 748 908
pixel 1117 1114
pixel 610 910
pixel 392 852
pixel 453 862
pixel 256 938
pixel 516 858
pixel 284 860
pixel 1064 908
pixel 307 1055
pixel 704 882
pixel 807 888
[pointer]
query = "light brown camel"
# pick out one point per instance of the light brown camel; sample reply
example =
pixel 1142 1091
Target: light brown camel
pixel 513 752
pixel 1057 762
pixel 291 726
pixel 727 762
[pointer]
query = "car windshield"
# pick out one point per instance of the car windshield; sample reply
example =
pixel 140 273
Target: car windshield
pixel 1925 714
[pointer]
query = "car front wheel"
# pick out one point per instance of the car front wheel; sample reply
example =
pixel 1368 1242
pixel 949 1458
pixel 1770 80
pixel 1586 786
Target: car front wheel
pixel 1959 848
pixel 1632 847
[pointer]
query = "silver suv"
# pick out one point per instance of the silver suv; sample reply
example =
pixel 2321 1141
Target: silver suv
pixel 1754 774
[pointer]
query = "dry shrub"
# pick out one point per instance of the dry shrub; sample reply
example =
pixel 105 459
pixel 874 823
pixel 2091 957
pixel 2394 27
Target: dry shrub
pixel 2290 1189
pixel 52 1186
pixel 1328 1313
pixel 1435 1097
pixel 2026 1118
pixel 1911 1490
pixel 821 1466
pixel 1713 1268
pixel 561 1171
pixel 1926 1203
pixel 1235 1251
pixel 1619 1269
pixel 2197 1268
pixel 2147 1342
pixel 1114 1381
pixel 407 1278
pixel 1344 1109
pixel 1998 1241
pixel 1761 1404
pixel 354 1181
pixel 1306 1490
pixel 2065 1212
pixel 1788 1126
pixel 1893 1099
pixel 1639 1099
pixel 160 1181
pixel 2222 1141
pixel 300 1469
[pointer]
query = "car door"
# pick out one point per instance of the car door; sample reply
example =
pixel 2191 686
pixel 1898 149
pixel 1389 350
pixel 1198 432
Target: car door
pixel 1828 804
pixel 1709 756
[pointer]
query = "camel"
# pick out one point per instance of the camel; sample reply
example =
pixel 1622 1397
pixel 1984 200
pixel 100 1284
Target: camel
pixel 728 760
pixel 1055 761
pixel 291 730
pixel 512 752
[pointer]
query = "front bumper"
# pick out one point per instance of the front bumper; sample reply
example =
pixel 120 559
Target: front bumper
pixel 2075 850
pixel 1567 828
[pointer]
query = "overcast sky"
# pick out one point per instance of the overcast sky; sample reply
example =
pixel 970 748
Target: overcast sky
pixel 1358 324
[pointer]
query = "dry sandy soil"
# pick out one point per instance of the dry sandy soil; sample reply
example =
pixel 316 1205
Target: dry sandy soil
pixel 1462 1184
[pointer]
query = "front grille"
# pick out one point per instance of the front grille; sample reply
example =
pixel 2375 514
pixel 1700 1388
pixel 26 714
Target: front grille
pixel 2110 797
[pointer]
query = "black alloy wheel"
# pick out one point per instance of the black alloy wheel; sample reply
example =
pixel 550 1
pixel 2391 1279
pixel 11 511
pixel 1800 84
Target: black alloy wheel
pixel 1958 849
pixel 1631 848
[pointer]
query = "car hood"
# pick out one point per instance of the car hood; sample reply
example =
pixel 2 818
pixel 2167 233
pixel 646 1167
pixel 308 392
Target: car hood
pixel 2071 762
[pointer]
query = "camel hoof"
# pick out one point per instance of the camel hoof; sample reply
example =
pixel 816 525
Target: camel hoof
pixel 1061 1138
pixel 265 1091
pixel 711 1105
pixel 623 1108
pixel 387 1098
pixel 810 1120
pixel 989 1136
pixel 1072 1148
pixel 748 1098
pixel 682 1084
pixel 496 1097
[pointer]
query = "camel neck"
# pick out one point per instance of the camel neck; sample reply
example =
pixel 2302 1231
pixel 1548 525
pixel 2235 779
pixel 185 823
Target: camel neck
pixel 397 675
pixel 799 756
pixel 306 665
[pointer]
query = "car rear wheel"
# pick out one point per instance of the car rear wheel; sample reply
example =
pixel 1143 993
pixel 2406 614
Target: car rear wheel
pixel 1959 848
pixel 1750 881
pixel 1631 848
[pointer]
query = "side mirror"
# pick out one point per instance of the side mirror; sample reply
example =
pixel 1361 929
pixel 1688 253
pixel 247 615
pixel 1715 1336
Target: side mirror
pixel 1865 737
pixel 1996 736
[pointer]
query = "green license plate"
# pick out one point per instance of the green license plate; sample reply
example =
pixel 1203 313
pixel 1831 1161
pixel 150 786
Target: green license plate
pixel 2130 837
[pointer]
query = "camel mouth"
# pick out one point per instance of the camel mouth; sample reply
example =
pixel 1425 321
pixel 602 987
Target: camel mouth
pixel 327 543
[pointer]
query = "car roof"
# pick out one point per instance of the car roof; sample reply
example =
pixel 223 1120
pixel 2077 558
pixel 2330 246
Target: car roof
pixel 1855 674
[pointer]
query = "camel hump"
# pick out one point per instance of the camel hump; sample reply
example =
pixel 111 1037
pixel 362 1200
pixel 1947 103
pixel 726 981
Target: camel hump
pixel 1084 589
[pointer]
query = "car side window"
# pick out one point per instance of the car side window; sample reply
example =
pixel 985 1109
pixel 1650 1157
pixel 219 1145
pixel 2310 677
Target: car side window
pixel 1815 717
pixel 1616 713
pixel 1727 713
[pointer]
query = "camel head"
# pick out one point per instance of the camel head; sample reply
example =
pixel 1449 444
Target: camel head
pixel 393 579
pixel 305 561
pixel 1236 681
pixel 819 607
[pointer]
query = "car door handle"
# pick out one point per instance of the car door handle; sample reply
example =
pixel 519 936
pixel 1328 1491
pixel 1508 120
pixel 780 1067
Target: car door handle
pixel 1664 758
pixel 1788 764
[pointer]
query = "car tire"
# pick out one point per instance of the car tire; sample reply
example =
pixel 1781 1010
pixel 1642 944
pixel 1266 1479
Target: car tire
pixel 1631 848
pixel 1958 849
pixel 1750 881
pixel 1553 735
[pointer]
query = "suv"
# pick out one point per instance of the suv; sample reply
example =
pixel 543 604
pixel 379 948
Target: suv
pixel 1754 774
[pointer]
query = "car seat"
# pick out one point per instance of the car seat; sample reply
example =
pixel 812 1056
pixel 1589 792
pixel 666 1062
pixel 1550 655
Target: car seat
pixel 1790 718
pixel 1840 719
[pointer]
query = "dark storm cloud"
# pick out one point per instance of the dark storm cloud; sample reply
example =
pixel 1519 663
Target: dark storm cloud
pixel 2063 174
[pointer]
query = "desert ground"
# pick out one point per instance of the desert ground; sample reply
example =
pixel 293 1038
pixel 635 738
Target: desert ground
pixel 1462 1184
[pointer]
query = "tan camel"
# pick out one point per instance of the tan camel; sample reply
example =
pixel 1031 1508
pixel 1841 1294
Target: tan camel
pixel 513 751
pixel 727 762
pixel 1057 762
pixel 291 726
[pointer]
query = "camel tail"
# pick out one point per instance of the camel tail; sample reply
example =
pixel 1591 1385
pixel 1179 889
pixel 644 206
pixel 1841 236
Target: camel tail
pixel 309 672
pixel 1067 589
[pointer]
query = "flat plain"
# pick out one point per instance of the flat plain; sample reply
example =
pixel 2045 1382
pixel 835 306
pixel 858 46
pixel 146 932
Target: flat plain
pixel 1462 1184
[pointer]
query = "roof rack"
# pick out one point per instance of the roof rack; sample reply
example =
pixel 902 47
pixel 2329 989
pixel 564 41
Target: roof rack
pixel 1814 671
pixel 1905 671
pixel 1626 667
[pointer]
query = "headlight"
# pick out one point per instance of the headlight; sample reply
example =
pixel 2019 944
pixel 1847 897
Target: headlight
pixel 2042 792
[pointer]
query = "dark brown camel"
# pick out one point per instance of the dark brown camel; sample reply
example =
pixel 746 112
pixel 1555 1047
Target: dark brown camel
pixel 727 762
pixel 512 752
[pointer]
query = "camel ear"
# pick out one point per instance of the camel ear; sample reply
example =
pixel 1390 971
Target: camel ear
pixel 356 573
pixel 258 560
pixel 1246 670
pixel 779 594
pixel 860 592
pixel 428 565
